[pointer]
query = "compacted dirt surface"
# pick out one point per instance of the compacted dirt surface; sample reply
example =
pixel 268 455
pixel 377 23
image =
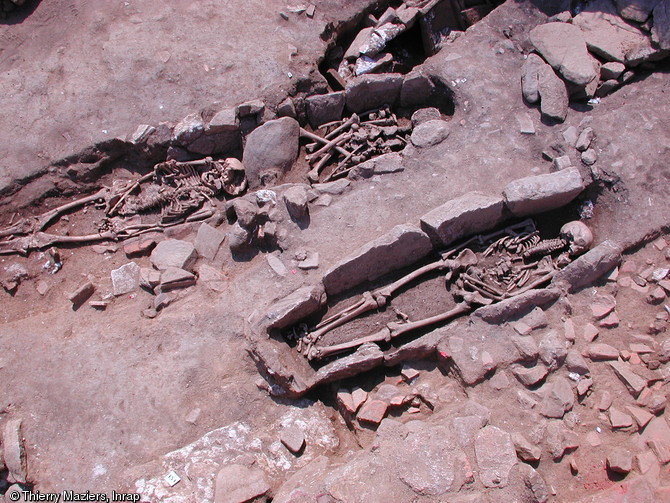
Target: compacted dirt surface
pixel 156 400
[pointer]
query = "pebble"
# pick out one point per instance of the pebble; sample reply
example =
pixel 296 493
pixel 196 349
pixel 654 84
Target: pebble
pixel 293 438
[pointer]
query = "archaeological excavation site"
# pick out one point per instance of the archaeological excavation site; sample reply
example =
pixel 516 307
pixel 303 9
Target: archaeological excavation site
pixel 408 251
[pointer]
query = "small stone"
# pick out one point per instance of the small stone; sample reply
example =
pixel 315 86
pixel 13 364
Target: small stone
pixel 345 400
pixel 593 439
pixel 530 376
pixel 496 456
pixel 424 115
pixel 309 12
pixel 310 262
pixel 174 253
pixel 192 417
pixel 358 397
pixel 163 300
pixel 139 248
pixel 42 287
pixel 293 438
pixel 610 321
pixel 189 129
pixel 656 296
pixel 173 278
pixel 499 381
pixel 373 412
pixel 590 332
pixel 583 386
pixel 530 78
pixel 409 373
pixel 296 199
pixel 600 352
pixel 584 140
pixel 149 278
pixel 562 162
pixel 101 305
pixel 527 348
pixel 605 401
pixel 620 460
pixel 645 461
pixel 525 449
pixel 525 400
pixel 208 241
pixel 150 313
pixel 569 330
pixel 576 363
pixel 553 349
pixel 570 135
pixel 558 400
pixel 589 157
pixel 81 294
pixel 14 452
pixel 660 244
pixel 641 416
pixel 526 125
pixel 522 328
pixel 276 265
pixel 611 70
pixel 619 419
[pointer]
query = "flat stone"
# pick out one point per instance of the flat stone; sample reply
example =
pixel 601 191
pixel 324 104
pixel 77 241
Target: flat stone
pixel 400 247
pixel 527 348
pixel 361 40
pixel 311 262
pixel 559 439
pixel 467 427
pixel 620 460
pixel 610 321
pixel 239 484
pixel 635 10
pixel 605 401
pixel 590 332
pixel 537 194
pixel 574 362
pixel 657 437
pixel 633 382
pixel 504 310
pixel 530 83
pixel 569 330
pixel 13 452
pixel 562 162
pixel 570 135
pixel 81 294
pixel 324 108
pixel 373 411
pixel 559 398
pixel 286 108
pixel 602 305
pixel 163 300
pixel 253 107
pixel 430 133
pixel 553 94
pixel 583 386
pixel 553 349
pixel 496 456
pixel 466 215
pixel 358 397
pixel 526 125
pixel 291 308
pixel 562 45
pixel 526 450
pixel 391 162
pixel 333 188
pixel 173 278
pixel 296 200
pixel 345 400
pixel 149 278
pixel 126 279
pixel 641 416
pixel 174 253
pixel 271 148
pixel 293 438
pixel 208 241
pixel 619 419
pixel 370 91
pixel 586 268
pixel 600 352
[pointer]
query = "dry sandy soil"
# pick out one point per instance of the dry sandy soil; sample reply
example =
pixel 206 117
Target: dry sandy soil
pixel 104 395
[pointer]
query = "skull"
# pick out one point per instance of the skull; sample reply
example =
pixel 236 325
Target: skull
pixel 578 235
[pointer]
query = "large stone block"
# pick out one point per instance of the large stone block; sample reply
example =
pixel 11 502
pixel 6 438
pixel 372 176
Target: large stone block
pixel 589 267
pixel 466 215
pixel 324 108
pixel 536 194
pixel 402 246
pixel 372 91
pixel 291 308
pixel 272 147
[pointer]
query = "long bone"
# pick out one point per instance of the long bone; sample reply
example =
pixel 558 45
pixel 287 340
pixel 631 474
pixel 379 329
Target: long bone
pixel 386 334
pixel 379 298
pixel 311 136
pixel 335 142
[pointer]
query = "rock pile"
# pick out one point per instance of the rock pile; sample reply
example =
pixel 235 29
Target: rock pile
pixel 593 53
